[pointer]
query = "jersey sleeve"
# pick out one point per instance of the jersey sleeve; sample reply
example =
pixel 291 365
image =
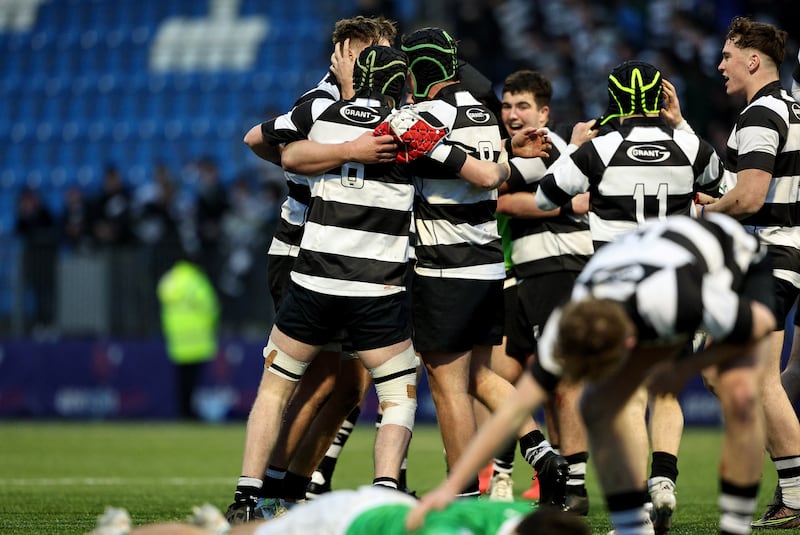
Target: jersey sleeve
pixel 759 131
pixel 708 169
pixel 294 125
pixel 563 181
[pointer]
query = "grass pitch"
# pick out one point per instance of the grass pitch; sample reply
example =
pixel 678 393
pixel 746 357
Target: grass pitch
pixel 56 477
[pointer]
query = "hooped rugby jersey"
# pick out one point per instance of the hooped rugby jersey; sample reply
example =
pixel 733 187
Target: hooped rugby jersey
pixel 673 277
pixel 356 237
pixel 456 231
pixel 543 245
pixel 642 170
pixel 767 137
pixel 289 230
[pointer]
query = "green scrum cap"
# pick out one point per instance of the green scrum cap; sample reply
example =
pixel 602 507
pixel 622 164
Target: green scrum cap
pixel 431 58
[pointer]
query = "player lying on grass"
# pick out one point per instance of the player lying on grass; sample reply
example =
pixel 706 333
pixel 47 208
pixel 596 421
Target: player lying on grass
pixel 365 511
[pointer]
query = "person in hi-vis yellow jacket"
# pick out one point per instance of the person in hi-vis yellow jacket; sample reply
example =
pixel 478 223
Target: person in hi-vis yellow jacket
pixel 189 317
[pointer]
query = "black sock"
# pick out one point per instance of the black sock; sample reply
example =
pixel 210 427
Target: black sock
pixel 576 482
pixel 274 479
pixel 294 486
pixel 504 463
pixel 664 465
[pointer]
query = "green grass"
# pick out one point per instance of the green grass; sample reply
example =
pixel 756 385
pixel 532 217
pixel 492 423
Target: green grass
pixel 55 478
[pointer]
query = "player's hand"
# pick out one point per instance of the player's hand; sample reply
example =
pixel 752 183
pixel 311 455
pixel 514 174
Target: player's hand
pixel 342 63
pixel 437 499
pixel 580 203
pixel 531 142
pixel 703 198
pixel 369 148
pixel 671 112
pixel 583 132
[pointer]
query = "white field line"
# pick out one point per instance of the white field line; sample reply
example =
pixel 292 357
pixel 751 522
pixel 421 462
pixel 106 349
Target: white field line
pixel 112 481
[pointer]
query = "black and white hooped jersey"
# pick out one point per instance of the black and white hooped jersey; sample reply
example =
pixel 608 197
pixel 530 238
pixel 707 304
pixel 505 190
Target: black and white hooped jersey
pixel 673 277
pixel 356 237
pixel 456 231
pixel 543 245
pixel 767 137
pixel 640 171
pixel 289 230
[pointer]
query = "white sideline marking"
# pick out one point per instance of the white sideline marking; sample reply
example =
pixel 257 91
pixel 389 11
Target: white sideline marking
pixel 112 481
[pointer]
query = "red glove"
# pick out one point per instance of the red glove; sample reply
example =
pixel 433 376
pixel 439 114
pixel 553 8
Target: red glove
pixel 413 133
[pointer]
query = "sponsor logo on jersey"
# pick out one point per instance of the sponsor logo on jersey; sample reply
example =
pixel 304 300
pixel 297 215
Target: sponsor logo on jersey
pixel 648 153
pixel 360 114
pixel 478 115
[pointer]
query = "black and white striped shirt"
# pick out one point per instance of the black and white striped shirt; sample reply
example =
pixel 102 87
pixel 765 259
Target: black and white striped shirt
pixel 642 170
pixel 673 276
pixel 289 230
pixel 767 137
pixel 546 244
pixel 356 237
pixel 456 231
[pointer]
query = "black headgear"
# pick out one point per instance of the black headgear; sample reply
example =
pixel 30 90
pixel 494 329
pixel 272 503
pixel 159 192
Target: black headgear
pixel 634 88
pixel 431 58
pixel 381 69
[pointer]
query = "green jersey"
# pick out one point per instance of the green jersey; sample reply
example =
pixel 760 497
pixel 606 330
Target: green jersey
pixel 462 517
pixel 504 229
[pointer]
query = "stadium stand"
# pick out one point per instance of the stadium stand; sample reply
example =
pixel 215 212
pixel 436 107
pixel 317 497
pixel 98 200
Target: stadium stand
pixel 84 83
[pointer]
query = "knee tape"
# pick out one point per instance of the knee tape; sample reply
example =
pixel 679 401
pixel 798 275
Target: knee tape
pixel 396 384
pixel 283 365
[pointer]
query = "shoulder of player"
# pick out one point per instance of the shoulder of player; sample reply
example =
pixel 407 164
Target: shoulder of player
pixel 352 113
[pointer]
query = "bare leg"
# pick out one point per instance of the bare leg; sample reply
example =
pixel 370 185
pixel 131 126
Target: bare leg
pixel 448 378
pixel 352 382
pixel 391 440
pixel 264 421
pixel 572 431
pixel 311 395
pixel 665 423
pixel 790 377
pixel 783 428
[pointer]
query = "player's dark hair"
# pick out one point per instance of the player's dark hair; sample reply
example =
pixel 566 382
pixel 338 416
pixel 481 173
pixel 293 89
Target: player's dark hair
pixel 552 521
pixel 527 81
pixel 764 37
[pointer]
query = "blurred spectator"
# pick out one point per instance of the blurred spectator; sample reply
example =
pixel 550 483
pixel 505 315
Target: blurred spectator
pixel 36 227
pixel 189 314
pixel 210 207
pixel 111 211
pixel 154 212
pixel 75 221
pixel 246 236
pixel 155 218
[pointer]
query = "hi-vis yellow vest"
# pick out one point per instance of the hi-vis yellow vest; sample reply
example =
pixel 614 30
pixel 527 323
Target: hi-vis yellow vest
pixel 189 313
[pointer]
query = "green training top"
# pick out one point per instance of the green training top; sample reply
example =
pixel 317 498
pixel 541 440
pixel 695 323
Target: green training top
pixel 504 229
pixel 462 517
